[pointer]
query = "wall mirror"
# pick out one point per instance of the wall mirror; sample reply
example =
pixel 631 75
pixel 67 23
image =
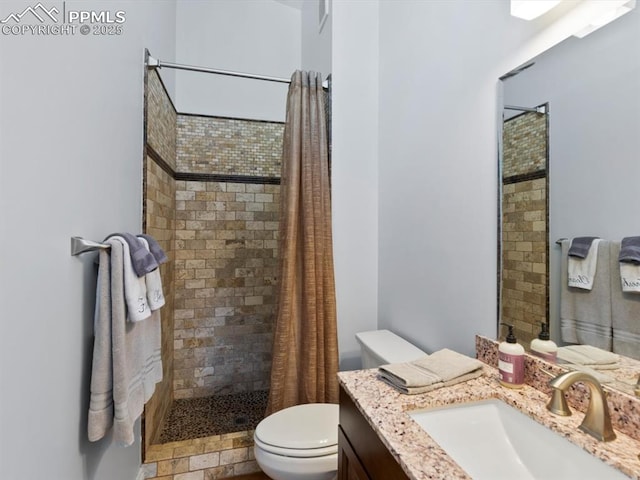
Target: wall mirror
pixel 577 124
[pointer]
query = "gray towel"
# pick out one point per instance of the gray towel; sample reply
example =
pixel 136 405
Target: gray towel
pixel 630 250
pixel 625 312
pixel 580 246
pixel 155 249
pixel 101 398
pixel 440 369
pixel 142 260
pixel 126 356
pixel 585 315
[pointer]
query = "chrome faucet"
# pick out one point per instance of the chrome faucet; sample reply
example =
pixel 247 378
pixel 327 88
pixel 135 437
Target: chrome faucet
pixel 597 421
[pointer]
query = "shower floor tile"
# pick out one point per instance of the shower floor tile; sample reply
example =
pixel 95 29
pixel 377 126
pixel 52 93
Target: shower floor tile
pixel 203 417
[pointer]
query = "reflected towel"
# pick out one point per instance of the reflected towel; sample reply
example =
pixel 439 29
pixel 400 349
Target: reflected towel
pixel 625 313
pixel 585 316
pixel 580 246
pixel 601 377
pixel 630 250
pixel 589 356
pixel 630 277
pixel 440 369
pixel 582 271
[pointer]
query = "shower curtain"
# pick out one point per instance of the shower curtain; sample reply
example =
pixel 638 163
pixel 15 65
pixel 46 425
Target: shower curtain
pixel 305 348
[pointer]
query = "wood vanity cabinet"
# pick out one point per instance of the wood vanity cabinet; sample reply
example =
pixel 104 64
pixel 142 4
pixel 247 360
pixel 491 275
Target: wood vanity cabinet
pixel 361 453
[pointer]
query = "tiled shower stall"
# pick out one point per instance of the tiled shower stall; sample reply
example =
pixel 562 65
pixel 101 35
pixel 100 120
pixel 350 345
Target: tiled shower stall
pixel 211 193
pixel 524 224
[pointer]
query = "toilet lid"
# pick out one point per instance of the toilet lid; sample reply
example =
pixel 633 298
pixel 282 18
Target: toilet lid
pixel 309 426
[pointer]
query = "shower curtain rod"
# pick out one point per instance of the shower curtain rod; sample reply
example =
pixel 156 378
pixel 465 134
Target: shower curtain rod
pixel 540 109
pixel 156 63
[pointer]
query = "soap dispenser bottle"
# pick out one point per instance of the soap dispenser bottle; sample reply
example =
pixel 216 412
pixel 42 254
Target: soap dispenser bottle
pixel 511 361
pixel 543 347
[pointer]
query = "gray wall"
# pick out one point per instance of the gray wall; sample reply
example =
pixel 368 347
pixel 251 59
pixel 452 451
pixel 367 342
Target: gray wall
pixel 591 85
pixel 71 164
pixel 439 65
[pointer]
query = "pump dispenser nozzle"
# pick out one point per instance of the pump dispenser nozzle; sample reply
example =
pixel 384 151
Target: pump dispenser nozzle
pixel 544 331
pixel 511 338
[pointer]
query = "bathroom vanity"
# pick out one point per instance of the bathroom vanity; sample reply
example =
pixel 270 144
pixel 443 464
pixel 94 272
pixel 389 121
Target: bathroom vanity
pixel 378 440
pixel 370 455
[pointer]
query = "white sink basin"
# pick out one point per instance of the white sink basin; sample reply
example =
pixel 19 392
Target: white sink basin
pixel 492 440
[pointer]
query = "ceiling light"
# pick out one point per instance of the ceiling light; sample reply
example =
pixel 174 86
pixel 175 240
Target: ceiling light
pixel 530 9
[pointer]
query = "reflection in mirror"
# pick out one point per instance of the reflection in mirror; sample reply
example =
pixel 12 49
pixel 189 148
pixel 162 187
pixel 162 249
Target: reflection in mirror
pixel 590 86
pixel 524 172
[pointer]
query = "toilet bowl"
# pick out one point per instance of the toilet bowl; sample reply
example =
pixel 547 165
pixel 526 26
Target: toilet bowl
pixel 299 443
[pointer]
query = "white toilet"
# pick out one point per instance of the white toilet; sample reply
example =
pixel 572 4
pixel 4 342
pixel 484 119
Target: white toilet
pixel 301 442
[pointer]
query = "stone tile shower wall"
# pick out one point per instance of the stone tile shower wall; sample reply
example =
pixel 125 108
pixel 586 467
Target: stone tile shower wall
pixel 226 256
pixel 524 227
pixel 229 146
pixel 159 219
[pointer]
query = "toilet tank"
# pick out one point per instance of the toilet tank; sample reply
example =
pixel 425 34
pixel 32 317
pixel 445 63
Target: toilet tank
pixel 380 347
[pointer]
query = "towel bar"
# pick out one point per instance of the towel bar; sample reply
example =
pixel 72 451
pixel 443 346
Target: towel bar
pixel 80 245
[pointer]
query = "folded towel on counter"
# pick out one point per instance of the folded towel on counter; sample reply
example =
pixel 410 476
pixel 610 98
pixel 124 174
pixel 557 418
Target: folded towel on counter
pixel 585 315
pixel 440 369
pixel 142 260
pixel 582 271
pixel 154 248
pixel 589 356
pixel 630 250
pixel 580 246
pixel 135 288
pixel 625 313
pixel 153 281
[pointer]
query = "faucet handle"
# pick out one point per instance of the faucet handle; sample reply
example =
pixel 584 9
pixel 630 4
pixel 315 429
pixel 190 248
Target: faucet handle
pixel 558 403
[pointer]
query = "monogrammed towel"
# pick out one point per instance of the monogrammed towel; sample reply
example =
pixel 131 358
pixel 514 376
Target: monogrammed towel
pixel 625 313
pixel 153 282
pixel 585 315
pixel 582 271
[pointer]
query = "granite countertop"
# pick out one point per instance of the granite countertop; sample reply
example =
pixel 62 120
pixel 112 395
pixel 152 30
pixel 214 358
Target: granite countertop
pixel 422 458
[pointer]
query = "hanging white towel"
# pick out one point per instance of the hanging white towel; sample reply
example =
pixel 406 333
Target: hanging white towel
pixel 582 271
pixel 153 281
pixel 135 288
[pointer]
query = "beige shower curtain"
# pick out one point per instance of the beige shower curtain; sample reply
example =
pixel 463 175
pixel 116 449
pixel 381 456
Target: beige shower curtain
pixel 305 348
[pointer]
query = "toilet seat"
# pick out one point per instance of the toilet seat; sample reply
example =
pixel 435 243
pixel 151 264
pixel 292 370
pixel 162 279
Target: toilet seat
pixel 304 431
